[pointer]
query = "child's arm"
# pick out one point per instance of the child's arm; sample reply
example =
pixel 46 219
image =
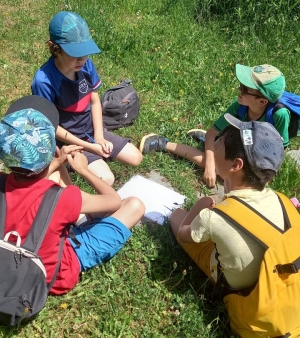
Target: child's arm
pixel 184 231
pixel 98 123
pixel 282 121
pixel 107 199
pixel 65 136
pixel 210 170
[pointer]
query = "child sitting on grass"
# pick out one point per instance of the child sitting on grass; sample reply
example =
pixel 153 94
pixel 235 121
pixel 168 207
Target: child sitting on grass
pixel 69 80
pixel 28 148
pixel 259 85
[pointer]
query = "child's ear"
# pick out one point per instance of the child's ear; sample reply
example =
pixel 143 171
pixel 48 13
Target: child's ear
pixel 263 102
pixel 237 164
pixel 49 43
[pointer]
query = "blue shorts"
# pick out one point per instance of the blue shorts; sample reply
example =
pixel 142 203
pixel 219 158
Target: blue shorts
pixel 100 241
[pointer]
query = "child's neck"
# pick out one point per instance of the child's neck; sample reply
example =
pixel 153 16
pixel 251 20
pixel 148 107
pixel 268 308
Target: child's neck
pixel 70 74
pixel 255 113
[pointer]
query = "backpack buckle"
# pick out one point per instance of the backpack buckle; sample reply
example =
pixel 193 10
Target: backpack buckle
pixel 286 268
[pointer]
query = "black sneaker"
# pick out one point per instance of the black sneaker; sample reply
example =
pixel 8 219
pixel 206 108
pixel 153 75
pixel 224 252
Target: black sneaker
pixel 197 134
pixel 153 142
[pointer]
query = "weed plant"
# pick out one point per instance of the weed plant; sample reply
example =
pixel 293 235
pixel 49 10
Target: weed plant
pixel 181 57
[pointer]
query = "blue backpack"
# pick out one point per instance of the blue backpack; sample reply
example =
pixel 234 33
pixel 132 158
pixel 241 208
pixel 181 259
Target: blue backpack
pixel 288 100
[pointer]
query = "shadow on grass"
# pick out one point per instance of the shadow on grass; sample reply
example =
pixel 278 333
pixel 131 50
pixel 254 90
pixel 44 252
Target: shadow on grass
pixel 174 268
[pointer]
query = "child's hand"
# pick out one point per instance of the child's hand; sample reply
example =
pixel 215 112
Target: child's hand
pixel 65 150
pixel 78 161
pixel 210 177
pixel 97 149
pixel 106 145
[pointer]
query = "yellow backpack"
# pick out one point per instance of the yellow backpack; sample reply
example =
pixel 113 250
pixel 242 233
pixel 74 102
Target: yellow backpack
pixel 272 309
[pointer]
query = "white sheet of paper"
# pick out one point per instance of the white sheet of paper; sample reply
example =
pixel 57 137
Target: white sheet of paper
pixel 159 200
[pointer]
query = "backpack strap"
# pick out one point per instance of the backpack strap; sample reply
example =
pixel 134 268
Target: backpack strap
pixel 60 252
pixel 289 210
pixel 37 232
pixel 242 112
pixel 270 110
pixel 43 217
pixel 3 178
pixel 40 224
pixel 247 218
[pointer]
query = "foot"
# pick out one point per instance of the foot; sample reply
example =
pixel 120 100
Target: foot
pixel 153 142
pixel 197 134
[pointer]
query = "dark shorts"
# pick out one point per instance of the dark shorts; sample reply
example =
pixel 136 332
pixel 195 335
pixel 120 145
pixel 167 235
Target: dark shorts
pixel 100 241
pixel 117 141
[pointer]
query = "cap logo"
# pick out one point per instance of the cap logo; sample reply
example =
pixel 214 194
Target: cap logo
pixel 258 69
pixel 247 137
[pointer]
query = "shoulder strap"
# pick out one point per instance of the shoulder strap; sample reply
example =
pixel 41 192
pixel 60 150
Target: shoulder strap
pixel 40 225
pixel 3 178
pixel 269 113
pixel 270 110
pixel 249 220
pixel 60 252
pixel 37 232
pixel 290 213
pixel 42 219
pixel 242 111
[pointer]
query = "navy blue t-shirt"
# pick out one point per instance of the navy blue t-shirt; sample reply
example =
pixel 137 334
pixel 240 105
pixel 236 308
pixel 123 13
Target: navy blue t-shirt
pixel 71 98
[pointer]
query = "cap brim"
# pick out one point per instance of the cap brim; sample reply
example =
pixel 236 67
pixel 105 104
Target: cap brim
pixel 233 121
pixel 37 103
pixel 78 50
pixel 243 74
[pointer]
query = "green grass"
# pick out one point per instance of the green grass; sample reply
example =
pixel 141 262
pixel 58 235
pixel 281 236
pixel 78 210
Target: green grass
pixel 180 55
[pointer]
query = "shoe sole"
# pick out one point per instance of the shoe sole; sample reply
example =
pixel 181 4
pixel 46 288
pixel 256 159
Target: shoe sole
pixel 143 141
pixel 193 130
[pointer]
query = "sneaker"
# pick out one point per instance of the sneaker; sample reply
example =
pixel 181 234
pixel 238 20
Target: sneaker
pixel 197 134
pixel 153 142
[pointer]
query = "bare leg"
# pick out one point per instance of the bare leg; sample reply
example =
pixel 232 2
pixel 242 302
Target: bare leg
pixel 61 177
pixel 130 155
pixel 188 152
pixel 131 211
pixel 176 219
pixel 102 170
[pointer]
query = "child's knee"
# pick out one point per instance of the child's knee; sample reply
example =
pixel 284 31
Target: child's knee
pixel 136 158
pixel 136 205
pixel 107 177
pixel 102 172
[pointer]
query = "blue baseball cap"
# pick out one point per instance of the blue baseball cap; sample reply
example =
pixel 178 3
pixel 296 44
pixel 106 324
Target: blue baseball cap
pixel 27 134
pixel 262 144
pixel 71 32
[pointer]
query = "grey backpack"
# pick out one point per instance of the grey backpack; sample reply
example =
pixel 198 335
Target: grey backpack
pixel 23 287
pixel 120 106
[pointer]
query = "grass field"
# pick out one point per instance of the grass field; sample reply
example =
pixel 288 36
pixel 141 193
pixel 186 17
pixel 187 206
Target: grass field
pixel 180 55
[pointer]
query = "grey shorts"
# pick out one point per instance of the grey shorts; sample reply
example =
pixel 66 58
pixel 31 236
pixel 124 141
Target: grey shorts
pixel 117 141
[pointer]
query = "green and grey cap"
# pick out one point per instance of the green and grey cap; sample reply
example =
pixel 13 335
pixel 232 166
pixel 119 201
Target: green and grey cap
pixel 266 78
